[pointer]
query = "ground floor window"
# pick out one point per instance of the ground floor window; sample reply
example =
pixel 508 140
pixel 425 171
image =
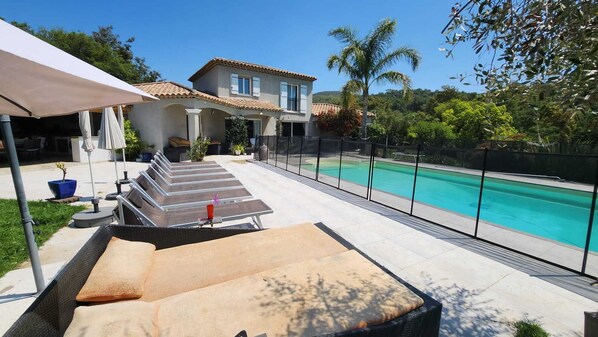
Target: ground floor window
pixel 254 127
pixel 293 129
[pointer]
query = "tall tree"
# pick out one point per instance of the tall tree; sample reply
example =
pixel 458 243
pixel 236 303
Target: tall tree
pixel 102 49
pixel 366 60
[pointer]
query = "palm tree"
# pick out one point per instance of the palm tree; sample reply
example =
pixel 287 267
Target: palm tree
pixel 366 60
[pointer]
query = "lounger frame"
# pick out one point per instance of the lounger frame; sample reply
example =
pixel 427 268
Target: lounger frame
pixel 52 312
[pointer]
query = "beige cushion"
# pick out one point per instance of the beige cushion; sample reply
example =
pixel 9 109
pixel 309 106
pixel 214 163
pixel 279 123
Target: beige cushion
pixel 184 268
pixel 120 272
pixel 179 142
pixel 320 296
pixel 126 318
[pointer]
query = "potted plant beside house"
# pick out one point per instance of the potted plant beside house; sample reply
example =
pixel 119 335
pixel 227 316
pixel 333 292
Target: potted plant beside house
pixel 238 149
pixel 198 148
pixel 64 188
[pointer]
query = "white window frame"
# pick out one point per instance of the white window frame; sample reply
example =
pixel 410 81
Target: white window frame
pixel 241 80
pixel 297 97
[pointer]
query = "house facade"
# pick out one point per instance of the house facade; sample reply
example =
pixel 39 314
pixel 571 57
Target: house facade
pixel 222 88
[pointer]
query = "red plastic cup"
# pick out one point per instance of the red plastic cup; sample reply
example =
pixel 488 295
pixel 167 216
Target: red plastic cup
pixel 210 209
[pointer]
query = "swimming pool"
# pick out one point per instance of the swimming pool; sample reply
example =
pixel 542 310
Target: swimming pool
pixel 551 212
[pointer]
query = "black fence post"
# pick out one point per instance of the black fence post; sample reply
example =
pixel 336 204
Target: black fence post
pixel 276 152
pixel 590 223
pixel 477 217
pixel 368 194
pixel 288 150
pixel 268 153
pixel 340 165
pixel 300 155
pixel 415 178
pixel 318 160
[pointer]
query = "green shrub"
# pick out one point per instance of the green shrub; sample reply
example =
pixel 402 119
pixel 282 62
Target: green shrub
pixel 237 132
pixel 133 140
pixel 198 148
pixel 527 328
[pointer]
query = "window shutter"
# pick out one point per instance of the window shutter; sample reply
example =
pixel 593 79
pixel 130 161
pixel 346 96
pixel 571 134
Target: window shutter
pixel 234 84
pixel 303 103
pixel 256 87
pixel 283 95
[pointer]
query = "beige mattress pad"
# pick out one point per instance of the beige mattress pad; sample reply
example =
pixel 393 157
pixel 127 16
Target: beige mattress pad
pixel 189 267
pixel 312 297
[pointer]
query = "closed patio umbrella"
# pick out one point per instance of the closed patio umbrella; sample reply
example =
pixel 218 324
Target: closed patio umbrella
pixel 121 122
pixel 88 146
pixel 39 80
pixel 110 136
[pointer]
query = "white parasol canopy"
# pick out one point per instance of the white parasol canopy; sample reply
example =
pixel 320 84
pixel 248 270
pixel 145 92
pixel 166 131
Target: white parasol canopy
pixel 39 80
pixel 40 76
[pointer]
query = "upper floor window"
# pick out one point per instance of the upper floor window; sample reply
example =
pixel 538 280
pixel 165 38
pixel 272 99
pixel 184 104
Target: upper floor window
pixel 291 97
pixel 244 86
pixel 240 85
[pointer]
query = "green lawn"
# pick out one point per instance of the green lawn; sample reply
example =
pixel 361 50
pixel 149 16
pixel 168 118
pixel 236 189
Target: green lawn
pixel 50 217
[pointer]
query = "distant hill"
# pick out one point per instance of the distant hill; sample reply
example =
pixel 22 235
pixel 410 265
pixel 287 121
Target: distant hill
pixel 333 97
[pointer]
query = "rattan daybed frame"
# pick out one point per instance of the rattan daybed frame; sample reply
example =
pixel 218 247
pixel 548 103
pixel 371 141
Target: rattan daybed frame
pixel 51 313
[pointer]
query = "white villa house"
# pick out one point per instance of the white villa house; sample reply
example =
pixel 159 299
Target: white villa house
pixel 220 89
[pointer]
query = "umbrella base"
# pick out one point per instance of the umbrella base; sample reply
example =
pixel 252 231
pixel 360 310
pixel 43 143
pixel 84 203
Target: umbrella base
pixel 91 219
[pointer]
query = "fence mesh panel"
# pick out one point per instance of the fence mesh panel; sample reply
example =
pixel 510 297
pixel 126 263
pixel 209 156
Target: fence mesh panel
pixel 329 161
pixel 535 203
pixel 527 206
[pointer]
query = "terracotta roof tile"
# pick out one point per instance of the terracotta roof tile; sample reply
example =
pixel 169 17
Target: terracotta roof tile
pixel 167 90
pixel 319 108
pixel 174 90
pixel 248 66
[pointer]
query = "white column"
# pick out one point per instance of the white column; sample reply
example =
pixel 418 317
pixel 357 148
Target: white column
pixel 193 119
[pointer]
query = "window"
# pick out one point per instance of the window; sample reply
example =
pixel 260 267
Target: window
pixel 244 86
pixel 293 129
pixel 292 97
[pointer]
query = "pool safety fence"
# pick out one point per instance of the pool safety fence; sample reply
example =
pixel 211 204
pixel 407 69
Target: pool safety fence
pixel 539 204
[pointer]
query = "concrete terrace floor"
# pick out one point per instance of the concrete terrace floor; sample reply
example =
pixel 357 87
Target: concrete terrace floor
pixel 480 294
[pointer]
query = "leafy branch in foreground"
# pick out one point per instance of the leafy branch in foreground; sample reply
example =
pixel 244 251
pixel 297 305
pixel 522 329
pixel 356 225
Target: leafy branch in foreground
pixel 532 42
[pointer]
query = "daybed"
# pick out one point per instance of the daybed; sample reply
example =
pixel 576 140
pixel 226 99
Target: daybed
pixel 52 312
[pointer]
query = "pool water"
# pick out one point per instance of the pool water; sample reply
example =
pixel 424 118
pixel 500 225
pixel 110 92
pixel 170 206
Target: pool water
pixel 555 213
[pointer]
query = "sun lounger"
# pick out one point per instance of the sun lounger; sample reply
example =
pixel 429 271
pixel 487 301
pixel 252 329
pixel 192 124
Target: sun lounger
pixel 184 165
pixel 220 174
pixel 176 173
pixel 52 311
pixel 166 188
pixel 188 175
pixel 195 199
pixel 134 209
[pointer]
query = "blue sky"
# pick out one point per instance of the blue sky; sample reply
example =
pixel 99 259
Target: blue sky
pixel 178 37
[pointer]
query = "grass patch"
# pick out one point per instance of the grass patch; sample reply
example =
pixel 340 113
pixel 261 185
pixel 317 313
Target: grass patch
pixel 527 328
pixel 50 218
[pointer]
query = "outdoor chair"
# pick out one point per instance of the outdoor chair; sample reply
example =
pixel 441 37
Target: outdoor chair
pixel 222 174
pixel 176 167
pixel 181 166
pixel 135 209
pixel 166 188
pixel 174 173
pixel 30 148
pixel 188 200
pixel 186 174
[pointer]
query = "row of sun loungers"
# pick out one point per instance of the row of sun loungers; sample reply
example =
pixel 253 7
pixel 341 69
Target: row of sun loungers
pixel 175 195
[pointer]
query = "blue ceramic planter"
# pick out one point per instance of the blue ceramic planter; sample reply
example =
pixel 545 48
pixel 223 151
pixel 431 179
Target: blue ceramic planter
pixel 63 188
